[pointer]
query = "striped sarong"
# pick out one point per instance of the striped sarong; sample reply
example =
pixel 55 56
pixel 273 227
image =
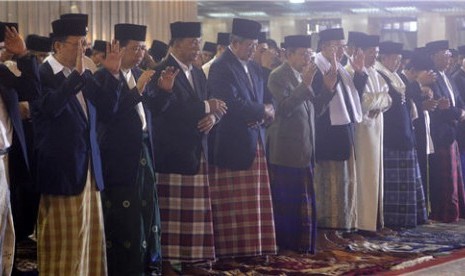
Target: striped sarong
pixel 336 194
pixel 71 238
pixel 186 216
pixel 446 185
pixel 404 199
pixel 7 233
pixel 242 210
pixel 294 207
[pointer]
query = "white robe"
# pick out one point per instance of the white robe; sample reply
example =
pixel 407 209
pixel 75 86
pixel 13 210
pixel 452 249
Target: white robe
pixel 369 151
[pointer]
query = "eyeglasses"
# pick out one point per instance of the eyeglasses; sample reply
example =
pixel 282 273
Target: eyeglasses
pixel 75 45
pixel 136 49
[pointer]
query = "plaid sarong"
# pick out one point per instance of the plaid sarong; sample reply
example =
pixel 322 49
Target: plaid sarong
pixel 294 207
pixel 242 210
pixel 404 199
pixel 71 238
pixel 7 233
pixel 186 216
pixel 446 185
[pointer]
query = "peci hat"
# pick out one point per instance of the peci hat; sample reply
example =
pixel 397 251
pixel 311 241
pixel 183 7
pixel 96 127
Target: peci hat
pixel 222 39
pixel 298 41
pixel 181 29
pixel 81 16
pixel 158 50
pixel 390 48
pixel 331 34
pixel 262 37
pixel 354 38
pixel 71 26
pixel 38 43
pixel 125 31
pixel 436 46
pixel 209 47
pixel 246 28
pixel 2 29
pixel 100 46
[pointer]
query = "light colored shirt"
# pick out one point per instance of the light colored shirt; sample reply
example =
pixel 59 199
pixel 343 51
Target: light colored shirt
pixel 131 81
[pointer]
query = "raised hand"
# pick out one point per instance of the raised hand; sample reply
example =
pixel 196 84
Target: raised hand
pixel 206 123
pixel 114 54
pixel 330 77
pixel 308 73
pixel 269 113
pixel 426 77
pixel 143 80
pixel 429 104
pixel 14 43
pixel 167 77
pixel 443 103
pixel 217 107
pixel 80 59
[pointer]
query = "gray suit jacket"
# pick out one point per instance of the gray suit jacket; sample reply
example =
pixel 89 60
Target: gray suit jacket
pixel 290 138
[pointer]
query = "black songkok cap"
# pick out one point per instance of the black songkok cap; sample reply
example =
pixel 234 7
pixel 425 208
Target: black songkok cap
pixel 331 34
pixel 222 39
pixel 158 50
pixel 436 46
pixel 125 31
pixel 246 28
pixel 100 45
pixel 185 29
pixel 354 38
pixel 407 54
pixel 209 47
pixel 420 60
pixel 262 37
pixel 81 16
pixel 66 27
pixel 2 29
pixel 390 48
pixel 298 41
pixel 365 41
pixel 38 43
pixel 461 50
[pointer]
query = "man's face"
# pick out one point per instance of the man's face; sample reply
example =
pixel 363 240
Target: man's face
pixel 188 49
pixel 333 47
pixel 441 59
pixel 300 58
pixel 245 49
pixel 392 61
pixel 370 56
pixel 67 50
pixel 134 53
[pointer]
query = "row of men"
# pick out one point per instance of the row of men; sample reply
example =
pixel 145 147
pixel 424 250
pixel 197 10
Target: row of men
pixel 121 125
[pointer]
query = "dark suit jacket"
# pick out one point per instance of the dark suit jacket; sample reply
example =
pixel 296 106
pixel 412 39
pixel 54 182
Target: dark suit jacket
pixel 14 89
pixel 398 129
pixel 332 143
pixel 178 142
pixel 121 134
pixel 444 122
pixel 459 80
pixel 234 143
pixel 65 140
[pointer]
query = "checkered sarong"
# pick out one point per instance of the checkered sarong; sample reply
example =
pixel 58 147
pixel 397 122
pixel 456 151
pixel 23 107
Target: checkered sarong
pixel 242 210
pixel 7 233
pixel 186 216
pixel 71 239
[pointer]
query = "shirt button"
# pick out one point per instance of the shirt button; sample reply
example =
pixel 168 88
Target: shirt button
pixel 126 203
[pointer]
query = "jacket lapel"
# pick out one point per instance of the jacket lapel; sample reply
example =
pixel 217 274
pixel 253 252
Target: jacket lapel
pixel 181 79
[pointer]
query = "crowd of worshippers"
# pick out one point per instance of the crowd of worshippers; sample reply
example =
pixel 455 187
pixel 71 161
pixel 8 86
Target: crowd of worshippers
pixel 137 161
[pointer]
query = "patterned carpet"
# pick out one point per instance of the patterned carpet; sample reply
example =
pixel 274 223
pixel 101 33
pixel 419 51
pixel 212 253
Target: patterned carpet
pixel 374 255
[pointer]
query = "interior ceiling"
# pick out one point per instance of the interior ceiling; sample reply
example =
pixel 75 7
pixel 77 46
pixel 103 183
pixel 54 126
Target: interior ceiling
pixel 225 9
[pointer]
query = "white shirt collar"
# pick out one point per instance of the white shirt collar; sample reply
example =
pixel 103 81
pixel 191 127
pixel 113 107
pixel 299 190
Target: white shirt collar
pixel 57 67
pixel 296 73
pixel 184 67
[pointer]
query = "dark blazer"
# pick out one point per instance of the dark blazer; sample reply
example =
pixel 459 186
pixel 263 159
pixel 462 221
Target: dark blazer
pixel 398 129
pixel 459 81
pixel 444 122
pixel 331 142
pixel 177 140
pixel 14 89
pixel 234 143
pixel 65 141
pixel 121 135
